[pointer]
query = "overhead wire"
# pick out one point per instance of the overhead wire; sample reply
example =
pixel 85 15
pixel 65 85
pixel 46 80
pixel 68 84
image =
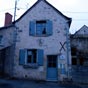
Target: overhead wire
pixel 71 12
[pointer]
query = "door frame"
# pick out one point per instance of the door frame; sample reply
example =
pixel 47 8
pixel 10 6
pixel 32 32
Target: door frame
pixel 56 67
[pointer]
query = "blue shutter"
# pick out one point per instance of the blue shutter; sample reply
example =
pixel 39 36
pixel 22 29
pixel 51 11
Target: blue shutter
pixel 22 54
pixel 32 28
pixel 49 27
pixel 40 57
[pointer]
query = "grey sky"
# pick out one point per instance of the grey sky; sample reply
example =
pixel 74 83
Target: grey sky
pixel 76 9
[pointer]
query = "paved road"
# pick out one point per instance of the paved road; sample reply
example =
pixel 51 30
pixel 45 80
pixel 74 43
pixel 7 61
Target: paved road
pixel 33 84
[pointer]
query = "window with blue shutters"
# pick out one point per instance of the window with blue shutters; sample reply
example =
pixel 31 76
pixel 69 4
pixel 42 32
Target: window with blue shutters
pixel 41 28
pixel 31 57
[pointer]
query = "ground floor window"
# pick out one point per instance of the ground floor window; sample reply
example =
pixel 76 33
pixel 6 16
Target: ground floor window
pixel 74 61
pixel 78 61
pixel 31 56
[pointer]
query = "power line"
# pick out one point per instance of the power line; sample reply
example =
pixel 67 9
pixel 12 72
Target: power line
pixel 6 10
pixel 75 12
pixel 80 19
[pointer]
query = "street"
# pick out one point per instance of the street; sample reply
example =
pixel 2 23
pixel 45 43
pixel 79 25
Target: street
pixel 9 83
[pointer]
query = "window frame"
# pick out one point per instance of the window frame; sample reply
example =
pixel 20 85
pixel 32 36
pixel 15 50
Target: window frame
pixel 31 63
pixel 23 58
pixel 43 23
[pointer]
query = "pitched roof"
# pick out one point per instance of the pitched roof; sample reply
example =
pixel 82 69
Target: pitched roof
pixel 83 28
pixel 82 32
pixel 6 27
pixel 69 19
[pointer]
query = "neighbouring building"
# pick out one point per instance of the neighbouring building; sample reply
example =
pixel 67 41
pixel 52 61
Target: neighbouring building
pixel 37 45
pixel 79 51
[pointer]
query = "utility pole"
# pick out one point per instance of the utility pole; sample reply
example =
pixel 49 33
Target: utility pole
pixel 14 40
pixel 67 45
pixel 15 9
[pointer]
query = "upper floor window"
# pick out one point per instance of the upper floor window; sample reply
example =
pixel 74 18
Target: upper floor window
pixel 40 28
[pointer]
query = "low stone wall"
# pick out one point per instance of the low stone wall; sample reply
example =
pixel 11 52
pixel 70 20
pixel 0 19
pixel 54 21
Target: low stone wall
pixel 80 74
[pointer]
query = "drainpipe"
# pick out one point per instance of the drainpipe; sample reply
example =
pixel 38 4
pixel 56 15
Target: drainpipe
pixel 67 46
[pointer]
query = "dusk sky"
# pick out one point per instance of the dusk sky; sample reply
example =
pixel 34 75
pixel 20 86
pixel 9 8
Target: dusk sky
pixel 76 9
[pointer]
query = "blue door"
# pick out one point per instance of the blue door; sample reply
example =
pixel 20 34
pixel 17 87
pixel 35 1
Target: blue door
pixel 52 73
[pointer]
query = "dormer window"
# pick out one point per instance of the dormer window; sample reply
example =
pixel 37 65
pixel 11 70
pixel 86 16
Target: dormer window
pixel 41 28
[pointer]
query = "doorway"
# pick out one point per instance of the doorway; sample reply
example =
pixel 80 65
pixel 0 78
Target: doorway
pixel 2 62
pixel 52 72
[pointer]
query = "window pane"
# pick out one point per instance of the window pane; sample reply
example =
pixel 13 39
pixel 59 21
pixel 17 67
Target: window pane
pixel 34 57
pixel 74 61
pixel 34 60
pixel 52 61
pixel 40 27
pixel 54 64
pixel 29 59
pixel 49 64
pixel 31 56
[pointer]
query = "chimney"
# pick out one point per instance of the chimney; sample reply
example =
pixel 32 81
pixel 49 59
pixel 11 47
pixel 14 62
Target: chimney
pixel 8 19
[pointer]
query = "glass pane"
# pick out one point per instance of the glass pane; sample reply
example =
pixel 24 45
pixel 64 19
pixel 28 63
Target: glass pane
pixel 34 60
pixel 49 64
pixel 52 61
pixel 54 64
pixel 40 28
pixel 29 59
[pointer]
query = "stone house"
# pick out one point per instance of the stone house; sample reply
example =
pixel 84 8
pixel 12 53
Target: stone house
pixel 79 44
pixel 38 44
pixel 79 53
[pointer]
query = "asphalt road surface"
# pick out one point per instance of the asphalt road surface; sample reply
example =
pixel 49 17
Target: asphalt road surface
pixel 5 83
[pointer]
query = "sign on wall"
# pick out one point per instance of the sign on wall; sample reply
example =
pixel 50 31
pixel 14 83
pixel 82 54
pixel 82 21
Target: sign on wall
pixel 62 56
